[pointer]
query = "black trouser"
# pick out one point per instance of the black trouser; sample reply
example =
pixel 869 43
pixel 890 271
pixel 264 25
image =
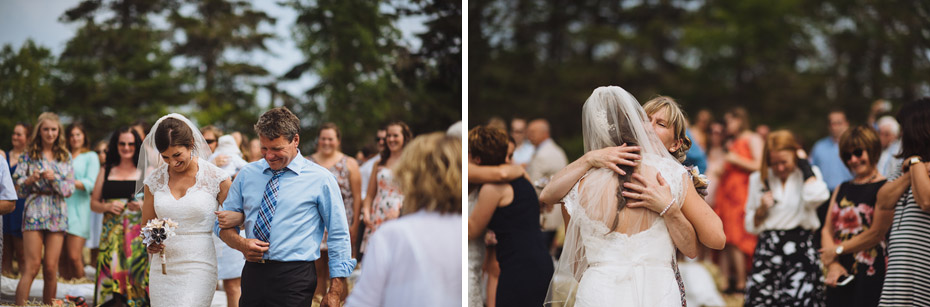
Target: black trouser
pixel 276 283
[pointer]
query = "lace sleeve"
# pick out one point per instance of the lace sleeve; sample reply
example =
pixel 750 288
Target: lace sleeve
pixel 157 179
pixel 570 201
pixel 213 176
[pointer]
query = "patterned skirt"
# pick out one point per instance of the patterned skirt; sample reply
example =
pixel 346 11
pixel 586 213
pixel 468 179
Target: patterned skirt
pixel 785 270
pixel 122 266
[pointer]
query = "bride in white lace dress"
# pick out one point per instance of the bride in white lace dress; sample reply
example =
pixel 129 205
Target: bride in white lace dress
pixel 618 252
pixel 179 184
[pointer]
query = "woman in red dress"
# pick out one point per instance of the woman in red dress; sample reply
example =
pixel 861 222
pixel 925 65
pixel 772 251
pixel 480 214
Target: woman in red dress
pixel 743 157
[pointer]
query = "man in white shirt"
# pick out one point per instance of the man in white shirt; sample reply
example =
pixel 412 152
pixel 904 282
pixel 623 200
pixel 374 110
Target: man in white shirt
pixel 365 169
pixel 7 194
pixel 547 160
pixel 524 151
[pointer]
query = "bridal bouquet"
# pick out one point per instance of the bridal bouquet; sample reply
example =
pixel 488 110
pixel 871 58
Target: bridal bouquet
pixel 157 231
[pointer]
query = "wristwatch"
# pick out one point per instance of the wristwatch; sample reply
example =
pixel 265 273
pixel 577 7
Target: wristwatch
pixel 839 250
pixel 913 160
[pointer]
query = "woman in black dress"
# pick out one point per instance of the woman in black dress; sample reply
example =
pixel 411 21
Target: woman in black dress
pixel 851 213
pixel 512 211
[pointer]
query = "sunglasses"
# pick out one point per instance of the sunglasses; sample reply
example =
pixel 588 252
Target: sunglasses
pixel 125 144
pixel 379 139
pixel 855 153
pixel 211 141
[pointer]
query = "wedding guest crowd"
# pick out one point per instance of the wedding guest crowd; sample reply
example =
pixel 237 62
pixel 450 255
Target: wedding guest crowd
pixel 66 193
pixel 868 183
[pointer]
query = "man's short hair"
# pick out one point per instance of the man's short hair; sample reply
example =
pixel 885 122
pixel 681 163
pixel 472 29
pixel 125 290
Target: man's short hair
pixel 278 122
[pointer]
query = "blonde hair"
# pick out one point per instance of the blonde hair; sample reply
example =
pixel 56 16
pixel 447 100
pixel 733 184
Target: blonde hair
pixel 676 121
pixel 777 141
pixel 429 173
pixel 59 147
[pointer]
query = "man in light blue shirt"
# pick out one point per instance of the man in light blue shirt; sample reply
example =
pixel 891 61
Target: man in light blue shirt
pixel 826 152
pixel 7 194
pixel 292 209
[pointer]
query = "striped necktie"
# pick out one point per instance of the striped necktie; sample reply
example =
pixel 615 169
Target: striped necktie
pixel 262 230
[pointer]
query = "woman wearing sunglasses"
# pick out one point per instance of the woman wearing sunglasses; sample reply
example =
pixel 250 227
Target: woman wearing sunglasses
pixel 855 277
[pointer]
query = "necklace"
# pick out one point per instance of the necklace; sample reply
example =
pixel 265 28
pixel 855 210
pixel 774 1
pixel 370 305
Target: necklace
pixel 867 180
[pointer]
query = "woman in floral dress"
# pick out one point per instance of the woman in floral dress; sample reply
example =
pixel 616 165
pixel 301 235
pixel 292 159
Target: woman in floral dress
pixel 122 265
pixel 851 213
pixel 385 199
pixel 45 177
pixel 345 169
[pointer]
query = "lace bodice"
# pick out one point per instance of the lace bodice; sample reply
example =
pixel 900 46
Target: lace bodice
pixel 651 246
pixel 194 211
pixel 191 258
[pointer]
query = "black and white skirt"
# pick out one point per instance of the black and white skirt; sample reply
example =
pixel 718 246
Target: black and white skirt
pixel 785 270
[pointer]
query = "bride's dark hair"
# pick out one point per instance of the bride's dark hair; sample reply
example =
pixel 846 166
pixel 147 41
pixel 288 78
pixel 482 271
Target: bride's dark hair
pixel 173 132
pixel 624 135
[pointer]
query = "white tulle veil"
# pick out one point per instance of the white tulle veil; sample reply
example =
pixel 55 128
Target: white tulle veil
pixel 610 117
pixel 150 158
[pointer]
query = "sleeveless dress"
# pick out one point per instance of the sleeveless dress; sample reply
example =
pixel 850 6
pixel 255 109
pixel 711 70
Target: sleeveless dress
pixel 341 171
pixel 627 269
pixel 13 222
pixel 526 266
pixel 190 257
pixel 389 198
pixel 86 167
pixel 730 202
pixel 122 265
pixel 908 275
pixel 852 216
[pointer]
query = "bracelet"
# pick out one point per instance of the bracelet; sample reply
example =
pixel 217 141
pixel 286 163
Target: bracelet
pixel 667 207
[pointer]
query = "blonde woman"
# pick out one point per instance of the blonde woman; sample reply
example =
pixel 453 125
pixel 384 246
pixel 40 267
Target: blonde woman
pixel 423 248
pixel 44 175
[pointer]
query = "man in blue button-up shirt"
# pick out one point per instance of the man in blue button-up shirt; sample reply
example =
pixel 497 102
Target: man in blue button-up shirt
pixel 281 272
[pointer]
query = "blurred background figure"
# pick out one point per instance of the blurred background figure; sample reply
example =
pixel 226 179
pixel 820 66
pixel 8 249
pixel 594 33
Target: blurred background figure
pixel 86 164
pixel 890 137
pixel 525 149
pixel 422 249
pixel 384 199
pixel 744 155
pixel 329 155
pixel 548 159
pixel 826 152
pixel 13 222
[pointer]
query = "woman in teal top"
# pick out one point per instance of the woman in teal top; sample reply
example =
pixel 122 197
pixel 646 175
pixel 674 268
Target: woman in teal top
pixel 86 166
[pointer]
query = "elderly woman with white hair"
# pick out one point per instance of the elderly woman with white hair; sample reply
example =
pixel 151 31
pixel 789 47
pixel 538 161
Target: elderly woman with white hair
pixel 889 133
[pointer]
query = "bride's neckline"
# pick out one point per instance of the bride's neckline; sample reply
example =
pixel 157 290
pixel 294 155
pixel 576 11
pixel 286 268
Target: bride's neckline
pixel 188 190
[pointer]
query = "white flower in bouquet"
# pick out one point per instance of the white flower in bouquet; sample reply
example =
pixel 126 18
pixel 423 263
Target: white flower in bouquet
pixel 157 231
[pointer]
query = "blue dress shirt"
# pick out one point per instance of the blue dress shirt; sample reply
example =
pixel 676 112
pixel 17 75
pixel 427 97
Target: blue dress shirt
pixel 7 190
pixel 826 156
pixel 695 155
pixel 309 202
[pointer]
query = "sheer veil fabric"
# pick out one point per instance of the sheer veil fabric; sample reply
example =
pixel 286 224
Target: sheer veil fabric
pixel 150 158
pixel 613 117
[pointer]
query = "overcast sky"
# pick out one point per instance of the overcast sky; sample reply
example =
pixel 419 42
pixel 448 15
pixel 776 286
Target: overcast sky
pixel 24 19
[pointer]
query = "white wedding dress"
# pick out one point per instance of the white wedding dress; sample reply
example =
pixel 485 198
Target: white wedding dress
pixel 625 269
pixel 191 258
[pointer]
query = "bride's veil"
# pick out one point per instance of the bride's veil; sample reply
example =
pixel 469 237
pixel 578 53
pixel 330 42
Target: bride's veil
pixel 150 158
pixel 610 117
